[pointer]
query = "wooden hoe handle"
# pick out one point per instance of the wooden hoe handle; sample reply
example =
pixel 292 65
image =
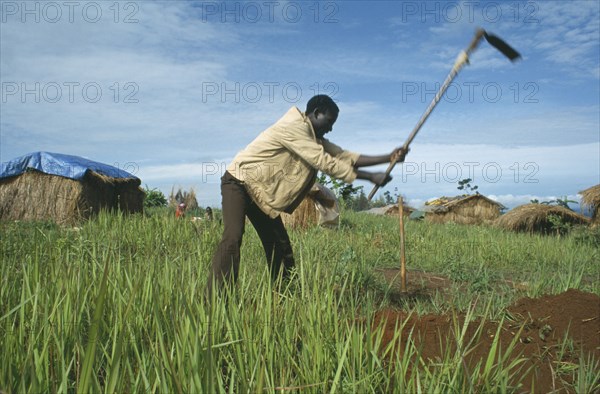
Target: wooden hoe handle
pixel 463 58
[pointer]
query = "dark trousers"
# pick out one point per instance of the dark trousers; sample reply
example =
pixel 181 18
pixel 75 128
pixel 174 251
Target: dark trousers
pixel 237 204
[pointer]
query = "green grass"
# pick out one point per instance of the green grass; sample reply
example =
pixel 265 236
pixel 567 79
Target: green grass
pixel 117 306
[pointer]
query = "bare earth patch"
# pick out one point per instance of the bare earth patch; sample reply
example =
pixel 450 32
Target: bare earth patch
pixel 538 327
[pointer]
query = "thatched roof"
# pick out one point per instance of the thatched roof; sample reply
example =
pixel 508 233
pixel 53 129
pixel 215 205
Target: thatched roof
pixel 68 193
pixel 466 209
pixel 535 218
pixel 446 204
pixel 591 198
pixel 390 210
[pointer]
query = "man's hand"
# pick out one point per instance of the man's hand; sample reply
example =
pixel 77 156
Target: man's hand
pixel 364 160
pixel 398 155
pixel 380 178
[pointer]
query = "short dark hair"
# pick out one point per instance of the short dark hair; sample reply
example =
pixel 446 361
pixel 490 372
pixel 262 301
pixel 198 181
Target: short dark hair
pixel 323 102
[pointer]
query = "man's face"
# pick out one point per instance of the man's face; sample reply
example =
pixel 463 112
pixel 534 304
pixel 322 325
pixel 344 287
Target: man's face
pixel 322 122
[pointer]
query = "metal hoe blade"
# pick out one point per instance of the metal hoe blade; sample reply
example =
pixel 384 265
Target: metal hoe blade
pixel 502 46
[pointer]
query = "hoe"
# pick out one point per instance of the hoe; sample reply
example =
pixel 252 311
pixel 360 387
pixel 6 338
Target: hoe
pixel 463 58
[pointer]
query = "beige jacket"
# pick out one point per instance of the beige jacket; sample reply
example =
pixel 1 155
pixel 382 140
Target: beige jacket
pixel 279 167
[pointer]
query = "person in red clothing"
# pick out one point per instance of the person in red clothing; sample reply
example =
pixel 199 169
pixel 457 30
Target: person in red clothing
pixel 180 211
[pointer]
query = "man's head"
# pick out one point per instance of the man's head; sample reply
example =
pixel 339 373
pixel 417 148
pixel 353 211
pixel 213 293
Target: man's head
pixel 322 112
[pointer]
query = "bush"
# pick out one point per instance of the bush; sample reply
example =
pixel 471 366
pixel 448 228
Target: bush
pixel 154 198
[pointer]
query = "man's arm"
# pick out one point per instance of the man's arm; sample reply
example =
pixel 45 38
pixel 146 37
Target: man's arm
pixel 378 178
pixel 299 141
pixel 365 161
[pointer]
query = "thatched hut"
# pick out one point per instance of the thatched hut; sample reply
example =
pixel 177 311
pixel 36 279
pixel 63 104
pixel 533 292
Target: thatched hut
pixel 537 218
pixel 390 210
pixel 591 197
pixel 319 207
pixel 64 188
pixel 467 209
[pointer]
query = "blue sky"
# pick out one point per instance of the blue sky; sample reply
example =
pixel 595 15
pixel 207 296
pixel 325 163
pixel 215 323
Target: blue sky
pixel 171 91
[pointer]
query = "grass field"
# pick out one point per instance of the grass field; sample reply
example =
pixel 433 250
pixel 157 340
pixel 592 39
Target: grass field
pixel 117 306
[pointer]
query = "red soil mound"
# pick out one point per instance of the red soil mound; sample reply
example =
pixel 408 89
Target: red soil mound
pixel 538 327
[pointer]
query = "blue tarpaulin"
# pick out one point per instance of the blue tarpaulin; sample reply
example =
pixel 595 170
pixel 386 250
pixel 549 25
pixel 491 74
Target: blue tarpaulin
pixel 67 166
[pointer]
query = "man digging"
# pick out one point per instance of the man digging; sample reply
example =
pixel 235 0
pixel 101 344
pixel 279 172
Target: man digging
pixel 273 174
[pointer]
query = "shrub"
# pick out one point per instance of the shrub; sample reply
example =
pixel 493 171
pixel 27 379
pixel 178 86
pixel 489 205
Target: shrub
pixel 154 198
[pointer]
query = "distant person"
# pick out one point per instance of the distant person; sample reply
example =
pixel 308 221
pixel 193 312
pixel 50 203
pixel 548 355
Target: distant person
pixel 273 175
pixel 208 214
pixel 180 211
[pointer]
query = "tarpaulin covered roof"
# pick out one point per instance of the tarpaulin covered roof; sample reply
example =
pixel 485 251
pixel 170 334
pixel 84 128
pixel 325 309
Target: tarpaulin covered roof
pixel 67 166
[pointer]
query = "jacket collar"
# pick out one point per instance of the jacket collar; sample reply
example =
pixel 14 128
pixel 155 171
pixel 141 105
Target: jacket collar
pixel 307 121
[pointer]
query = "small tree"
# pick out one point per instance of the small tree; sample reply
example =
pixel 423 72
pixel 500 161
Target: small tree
pixel 561 202
pixel 465 185
pixel 361 202
pixel 154 198
pixel 389 200
pixel 346 192
pixel 378 202
pixel 559 225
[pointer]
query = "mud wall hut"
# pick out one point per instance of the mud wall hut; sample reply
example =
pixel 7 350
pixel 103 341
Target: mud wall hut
pixel 64 188
pixel 468 209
